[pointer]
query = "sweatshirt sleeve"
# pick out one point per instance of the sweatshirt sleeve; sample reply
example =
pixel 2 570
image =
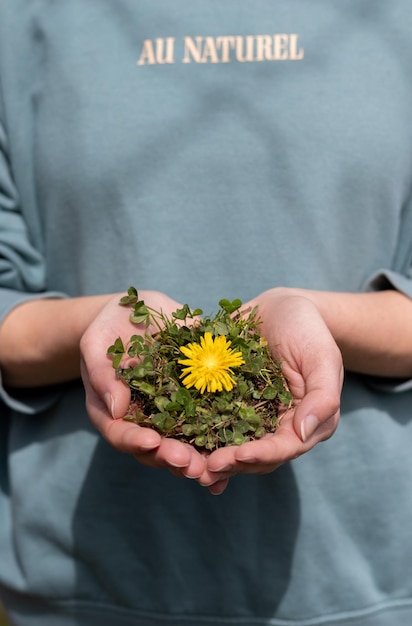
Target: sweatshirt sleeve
pixel 22 268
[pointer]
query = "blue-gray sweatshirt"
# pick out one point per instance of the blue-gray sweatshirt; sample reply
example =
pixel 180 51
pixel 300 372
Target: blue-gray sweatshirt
pixel 206 149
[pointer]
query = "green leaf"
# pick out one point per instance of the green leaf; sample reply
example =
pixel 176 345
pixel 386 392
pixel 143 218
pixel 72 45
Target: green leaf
pixel 117 360
pixel 164 422
pixel 270 393
pixel 223 405
pixel 144 387
pixel 182 396
pixel 131 298
pixel 137 339
pixel 285 397
pixel 140 313
pixel 117 347
pixel 190 409
pixel 138 319
pixel 148 364
pixel 189 430
pixel 230 307
pixel 221 328
pixel 226 435
pixel 208 328
pixel 184 400
pixel 200 441
pixel 173 406
pixel 242 427
pixel 161 403
pixel 249 414
pixel 238 439
pixel 183 313
pixel 278 385
pixel 138 372
pixel 256 364
pixel 242 387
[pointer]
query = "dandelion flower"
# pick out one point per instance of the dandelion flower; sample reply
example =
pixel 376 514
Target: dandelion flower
pixel 208 364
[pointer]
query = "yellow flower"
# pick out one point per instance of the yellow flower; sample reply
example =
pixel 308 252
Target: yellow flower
pixel 208 364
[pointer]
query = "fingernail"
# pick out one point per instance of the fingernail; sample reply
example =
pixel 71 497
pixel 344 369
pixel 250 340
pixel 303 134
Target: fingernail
pixel 216 479
pixel 308 427
pixel 223 468
pixel 177 464
pixel 246 459
pixel 218 489
pixel 108 398
pixel 191 477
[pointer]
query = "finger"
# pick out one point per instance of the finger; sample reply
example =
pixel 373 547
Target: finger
pixel 218 488
pixel 271 451
pixel 177 455
pixel 180 458
pixel 99 378
pixel 222 460
pixel 125 436
pixel 215 489
pixel 128 437
pixel 261 456
pixel 317 414
pixel 197 464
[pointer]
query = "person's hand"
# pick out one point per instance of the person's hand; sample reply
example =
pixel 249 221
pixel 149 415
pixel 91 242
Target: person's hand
pixel 107 398
pixel 311 361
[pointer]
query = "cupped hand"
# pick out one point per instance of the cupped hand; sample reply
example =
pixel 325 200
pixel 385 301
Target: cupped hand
pixel 108 398
pixel 312 363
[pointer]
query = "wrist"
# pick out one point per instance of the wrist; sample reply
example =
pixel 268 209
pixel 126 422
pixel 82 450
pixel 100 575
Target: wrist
pixel 39 340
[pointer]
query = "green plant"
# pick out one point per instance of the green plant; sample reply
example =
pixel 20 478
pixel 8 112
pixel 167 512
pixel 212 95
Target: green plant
pixel 228 389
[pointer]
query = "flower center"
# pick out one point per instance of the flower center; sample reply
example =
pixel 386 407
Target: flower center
pixel 211 362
